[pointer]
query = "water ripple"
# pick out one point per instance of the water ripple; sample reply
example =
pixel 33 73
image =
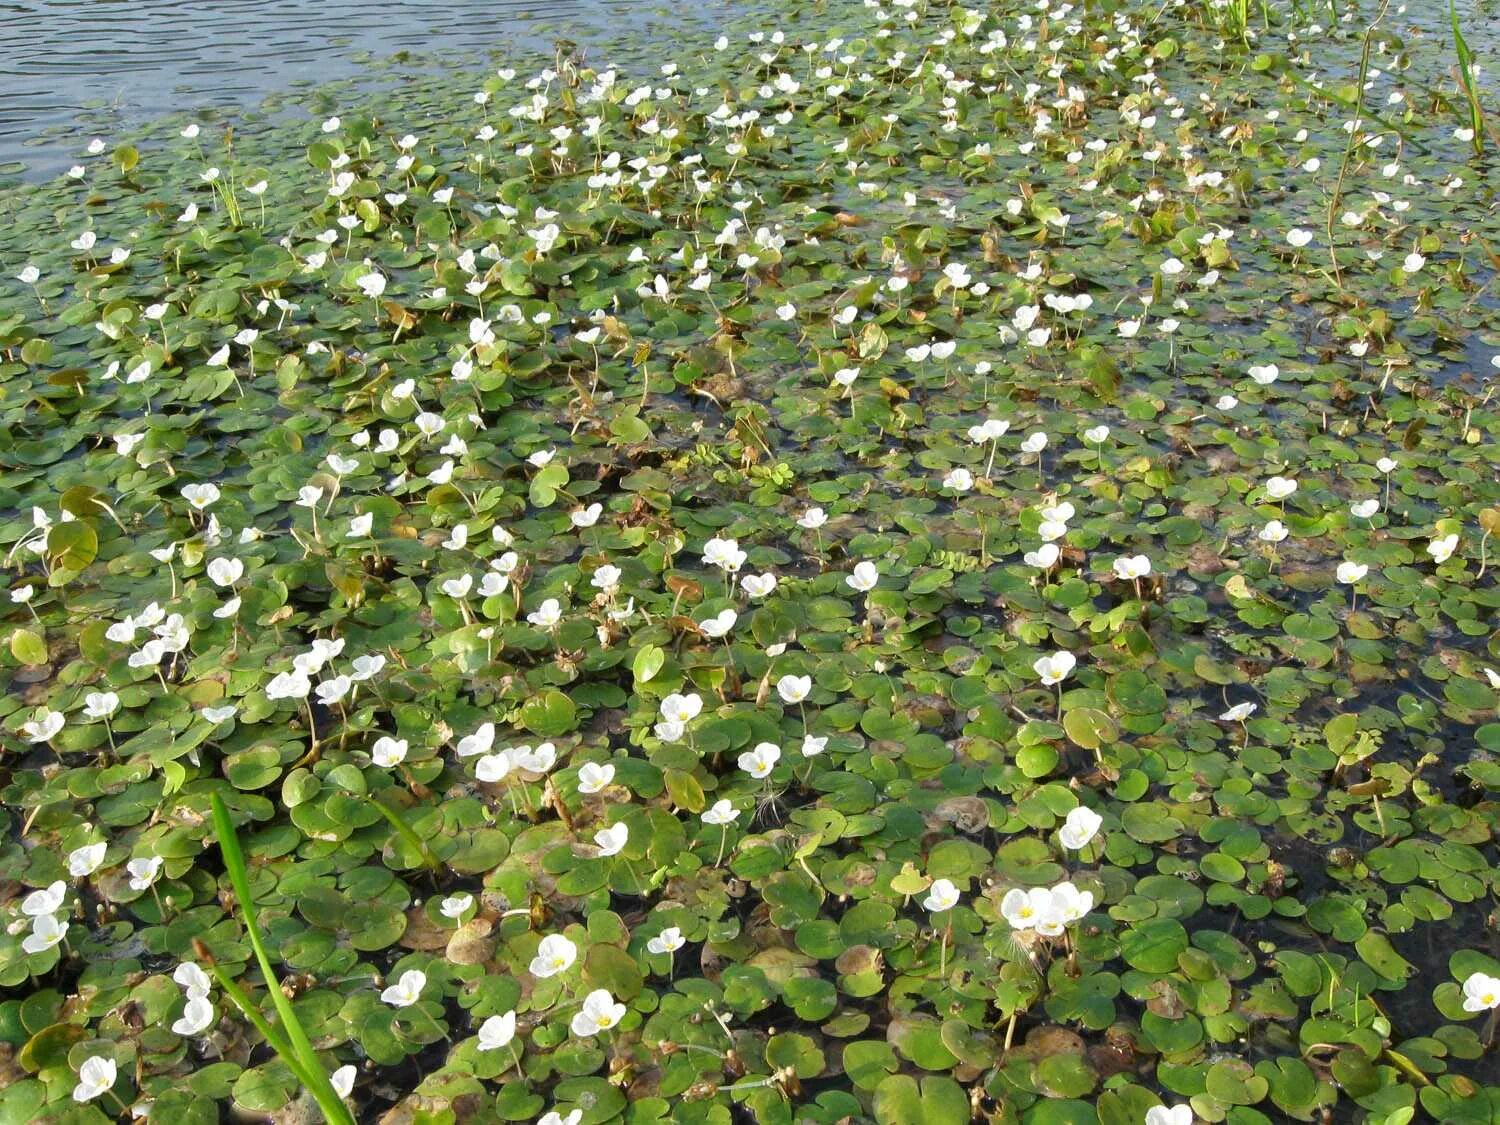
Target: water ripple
pixel 70 64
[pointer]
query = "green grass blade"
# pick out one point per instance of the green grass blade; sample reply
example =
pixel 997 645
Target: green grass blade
pixel 1466 75
pixel 404 830
pixel 301 1049
pixel 272 1037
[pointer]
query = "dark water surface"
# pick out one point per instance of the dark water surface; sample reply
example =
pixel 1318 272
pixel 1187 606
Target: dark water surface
pixel 72 68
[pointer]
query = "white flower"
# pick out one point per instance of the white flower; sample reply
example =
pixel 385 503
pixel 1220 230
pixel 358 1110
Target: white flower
pixel 720 624
pixel 1279 488
pixel 606 578
pixel 547 615
pixel 1054 669
pixel 941 896
pixel 1176 1115
pixel 864 577
pixel 1227 402
pixel 812 519
pixel 45 728
pixel 1274 532
pixel 193 980
pixel 458 588
pixel 360 526
pixel 497 1032
pixel 681 708
pixel 724 554
pixel 46 932
pixel 1351 572
pixel 330 691
pixel 144 872
pixel 1298 238
pixel 592 777
pixel 1023 909
pixel 366 666
pixel 492 768
pixel 1481 992
pixel 721 812
pixel 288 685
pixel 48 900
pixel 669 940
pixel 812 746
pixel 1043 558
pixel 1364 509
pixel 1264 374
pixel 406 991
pixel 554 955
pixel 613 839
pixel 454 906
pixel 1058 513
pixel 537 761
pixel 1413 262
pixel 959 479
pixel 1442 549
pixel 84 861
pixel 198 1014
pixel 1387 465
pixel 1129 568
pixel 95 1076
pixel 1070 903
pixel 794 689
pixel 372 284
pixel 586 517
pixel 760 761
pixel 600 1013
pixel 1238 713
pixel 1035 442
pixel 100 704
pixel 1096 435
pixel 342 1080
pixel 758 585
pixel 1081 825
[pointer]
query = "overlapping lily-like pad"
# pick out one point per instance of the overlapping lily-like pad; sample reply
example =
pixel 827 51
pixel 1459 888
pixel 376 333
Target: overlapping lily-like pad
pixel 909 564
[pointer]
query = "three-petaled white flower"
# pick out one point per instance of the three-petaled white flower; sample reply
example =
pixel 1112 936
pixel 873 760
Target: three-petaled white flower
pixel 941 896
pixel 600 1012
pixel 1054 668
pixel 554 955
pixel 407 990
pixel 1079 827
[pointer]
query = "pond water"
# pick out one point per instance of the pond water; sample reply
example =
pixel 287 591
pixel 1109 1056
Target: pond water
pixel 74 67
pixel 69 66
pixel 286 415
